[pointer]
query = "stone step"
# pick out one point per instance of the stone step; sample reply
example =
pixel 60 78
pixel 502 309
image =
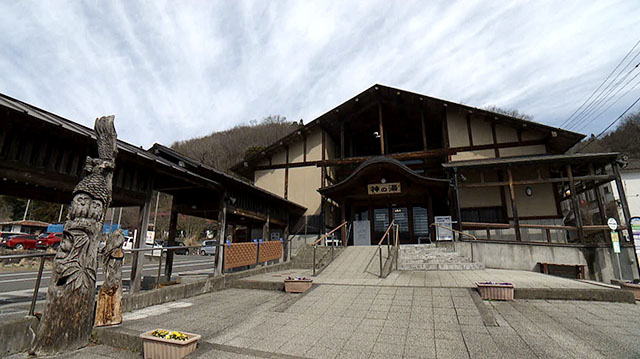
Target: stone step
pixel 442 266
pixel 430 257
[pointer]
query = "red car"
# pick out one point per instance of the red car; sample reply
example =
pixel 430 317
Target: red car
pixel 22 241
pixel 46 240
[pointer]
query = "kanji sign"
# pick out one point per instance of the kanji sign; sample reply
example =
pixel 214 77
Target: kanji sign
pixel 384 188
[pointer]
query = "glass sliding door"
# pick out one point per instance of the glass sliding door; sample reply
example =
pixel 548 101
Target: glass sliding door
pixel 380 223
pixel 401 217
pixel 421 224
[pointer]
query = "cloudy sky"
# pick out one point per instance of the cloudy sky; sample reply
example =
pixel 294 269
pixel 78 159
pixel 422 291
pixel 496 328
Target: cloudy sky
pixel 178 69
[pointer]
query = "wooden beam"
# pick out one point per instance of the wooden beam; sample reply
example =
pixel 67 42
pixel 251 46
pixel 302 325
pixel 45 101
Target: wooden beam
pixel 539 181
pixel 431 153
pixel 382 149
pixel 575 203
pixel 514 207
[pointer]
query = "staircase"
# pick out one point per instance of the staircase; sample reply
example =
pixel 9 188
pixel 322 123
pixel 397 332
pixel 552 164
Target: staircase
pixel 304 257
pixel 428 257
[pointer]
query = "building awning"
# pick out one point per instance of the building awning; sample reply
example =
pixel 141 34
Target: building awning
pixel 380 170
pixel 581 158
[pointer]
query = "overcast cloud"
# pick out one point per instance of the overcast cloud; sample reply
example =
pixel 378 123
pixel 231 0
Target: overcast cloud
pixel 179 69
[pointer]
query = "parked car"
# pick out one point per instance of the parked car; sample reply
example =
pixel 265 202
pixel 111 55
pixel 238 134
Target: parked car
pixel 176 251
pixel 4 237
pixel 22 241
pixel 49 240
pixel 208 247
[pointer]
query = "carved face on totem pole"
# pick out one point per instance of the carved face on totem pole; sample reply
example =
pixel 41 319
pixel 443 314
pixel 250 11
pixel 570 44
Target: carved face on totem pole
pixel 77 254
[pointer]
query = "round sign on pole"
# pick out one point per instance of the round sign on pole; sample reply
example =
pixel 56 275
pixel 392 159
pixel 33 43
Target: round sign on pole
pixel 612 223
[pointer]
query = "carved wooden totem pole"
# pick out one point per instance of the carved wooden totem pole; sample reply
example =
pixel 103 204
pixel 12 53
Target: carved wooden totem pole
pixel 109 308
pixel 68 317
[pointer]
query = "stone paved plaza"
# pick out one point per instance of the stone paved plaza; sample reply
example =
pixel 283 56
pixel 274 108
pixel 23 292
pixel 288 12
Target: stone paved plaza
pixel 339 321
pixel 355 267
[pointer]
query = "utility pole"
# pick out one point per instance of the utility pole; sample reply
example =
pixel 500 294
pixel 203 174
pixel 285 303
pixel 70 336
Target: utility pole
pixel 24 218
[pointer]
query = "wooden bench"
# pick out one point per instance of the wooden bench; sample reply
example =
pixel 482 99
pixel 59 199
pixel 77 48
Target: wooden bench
pixel 578 268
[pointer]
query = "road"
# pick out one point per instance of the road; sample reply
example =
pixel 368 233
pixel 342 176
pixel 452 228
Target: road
pixel 17 287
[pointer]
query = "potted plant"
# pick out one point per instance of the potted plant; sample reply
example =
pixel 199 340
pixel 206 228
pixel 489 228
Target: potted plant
pixel 632 286
pixel 162 343
pixel 297 284
pixel 495 291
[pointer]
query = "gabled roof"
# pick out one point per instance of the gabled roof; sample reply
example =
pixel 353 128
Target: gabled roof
pixel 218 176
pixel 559 140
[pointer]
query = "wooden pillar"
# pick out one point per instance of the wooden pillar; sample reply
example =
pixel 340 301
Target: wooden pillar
pixel 286 174
pixel 138 257
pixel 342 140
pixel 625 210
pixel 424 130
pixel 265 230
pixel 343 217
pixel 171 241
pixel 514 206
pixel 285 242
pixel 457 190
pixel 222 226
pixel 575 203
pixel 382 149
pixel 598 194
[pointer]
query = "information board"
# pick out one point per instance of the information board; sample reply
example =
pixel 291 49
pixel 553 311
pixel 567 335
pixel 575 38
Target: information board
pixel 443 234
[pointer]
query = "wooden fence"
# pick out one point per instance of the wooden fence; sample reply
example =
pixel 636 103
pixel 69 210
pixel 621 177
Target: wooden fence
pixel 250 253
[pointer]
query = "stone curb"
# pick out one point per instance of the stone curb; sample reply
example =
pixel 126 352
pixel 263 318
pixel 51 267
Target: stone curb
pixel 16 335
pixel 599 295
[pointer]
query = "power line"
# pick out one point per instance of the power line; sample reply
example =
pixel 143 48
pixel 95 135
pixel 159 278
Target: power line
pixel 611 124
pixel 603 82
pixel 603 97
pixel 587 123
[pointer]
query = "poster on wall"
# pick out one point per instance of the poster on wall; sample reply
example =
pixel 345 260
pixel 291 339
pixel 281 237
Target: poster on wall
pixel 443 228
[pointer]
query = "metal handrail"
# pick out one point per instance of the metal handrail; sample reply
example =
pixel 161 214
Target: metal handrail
pixel 379 249
pixel 328 234
pixel 455 231
pixel 44 256
pixel 36 289
pixel 314 245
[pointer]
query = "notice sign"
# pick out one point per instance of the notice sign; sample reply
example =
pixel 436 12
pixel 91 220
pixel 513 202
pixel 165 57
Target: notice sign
pixel 384 188
pixel 443 228
pixel 615 241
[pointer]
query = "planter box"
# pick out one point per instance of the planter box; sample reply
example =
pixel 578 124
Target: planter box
pixel 297 286
pixel 160 348
pixel 632 287
pixel 495 291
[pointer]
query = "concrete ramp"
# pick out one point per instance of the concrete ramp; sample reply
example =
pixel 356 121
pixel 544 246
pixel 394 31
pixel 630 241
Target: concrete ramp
pixel 352 264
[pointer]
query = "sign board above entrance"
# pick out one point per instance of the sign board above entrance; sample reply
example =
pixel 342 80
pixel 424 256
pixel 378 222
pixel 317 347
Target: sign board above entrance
pixel 384 188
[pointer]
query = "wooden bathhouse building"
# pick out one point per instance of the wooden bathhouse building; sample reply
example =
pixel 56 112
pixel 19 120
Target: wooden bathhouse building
pixel 393 155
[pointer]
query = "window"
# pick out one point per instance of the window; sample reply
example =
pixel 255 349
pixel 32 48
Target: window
pixel 483 215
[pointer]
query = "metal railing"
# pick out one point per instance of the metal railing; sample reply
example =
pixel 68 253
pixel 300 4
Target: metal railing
pixel 378 250
pixel 36 289
pixel 332 246
pixel 44 256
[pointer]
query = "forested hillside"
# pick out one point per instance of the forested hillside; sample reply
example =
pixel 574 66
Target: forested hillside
pixel 624 139
pixel 224 149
